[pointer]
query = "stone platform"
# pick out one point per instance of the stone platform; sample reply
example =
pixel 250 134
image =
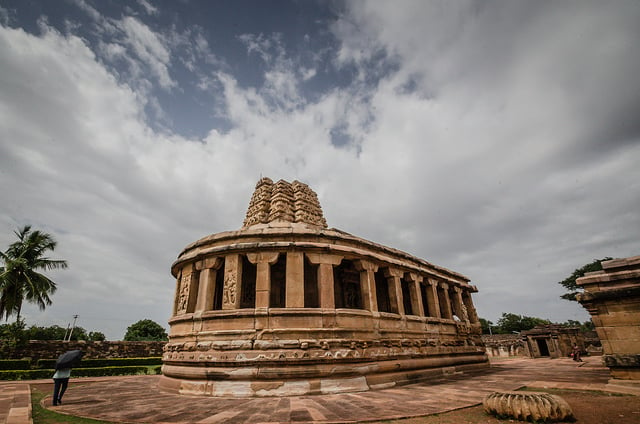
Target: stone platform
pixel 138 400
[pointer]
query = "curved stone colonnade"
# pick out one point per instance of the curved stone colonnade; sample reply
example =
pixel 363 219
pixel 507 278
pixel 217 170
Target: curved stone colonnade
pixel 289 308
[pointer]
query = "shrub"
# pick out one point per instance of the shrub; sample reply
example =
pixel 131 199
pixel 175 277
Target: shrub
pixel 96 363
pixel 107 371
pixel 25 374
pixel 15 364
pixel 79 372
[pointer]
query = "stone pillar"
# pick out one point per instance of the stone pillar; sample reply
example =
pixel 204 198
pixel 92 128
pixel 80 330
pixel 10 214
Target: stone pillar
pixel 416 297
pixel 395 291
pixel 207 287
pixel 432 298
pixel 263 262
pixel 447 313
pixel 471 310
pixel 177 294
pixel 460 311
pixel 325 277
pixel 232 282
pixel 368 284
pixel 186 297
pixel 295 280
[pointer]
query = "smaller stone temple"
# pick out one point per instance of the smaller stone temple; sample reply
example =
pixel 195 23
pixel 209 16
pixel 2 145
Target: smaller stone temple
pixel 287 306
pixel 612 297
pixel 552 341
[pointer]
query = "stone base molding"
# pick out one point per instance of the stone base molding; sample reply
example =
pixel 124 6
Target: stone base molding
pixel 320 378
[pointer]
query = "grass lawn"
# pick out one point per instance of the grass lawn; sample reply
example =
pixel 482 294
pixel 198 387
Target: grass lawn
pixel 46 416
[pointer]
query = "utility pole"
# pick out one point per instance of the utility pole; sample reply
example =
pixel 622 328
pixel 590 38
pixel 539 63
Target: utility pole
pixel 75 317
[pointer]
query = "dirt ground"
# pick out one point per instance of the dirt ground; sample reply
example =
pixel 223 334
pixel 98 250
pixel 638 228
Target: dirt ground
pixel 588 408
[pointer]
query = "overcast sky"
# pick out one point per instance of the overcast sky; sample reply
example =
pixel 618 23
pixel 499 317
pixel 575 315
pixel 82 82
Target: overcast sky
pixel 499 139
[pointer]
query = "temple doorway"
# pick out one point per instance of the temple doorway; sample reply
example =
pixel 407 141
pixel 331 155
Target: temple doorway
pixel 542 347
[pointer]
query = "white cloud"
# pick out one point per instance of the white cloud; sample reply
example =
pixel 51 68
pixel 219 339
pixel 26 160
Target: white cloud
pixel 492 151
pixel 149 48
pixel 487 139
pixel 148 7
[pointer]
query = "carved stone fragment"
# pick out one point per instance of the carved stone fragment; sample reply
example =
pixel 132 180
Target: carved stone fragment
pixel 528 406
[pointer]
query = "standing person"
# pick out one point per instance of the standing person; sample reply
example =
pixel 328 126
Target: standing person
pixel 576 353
pixel 60 383
pixel 64 364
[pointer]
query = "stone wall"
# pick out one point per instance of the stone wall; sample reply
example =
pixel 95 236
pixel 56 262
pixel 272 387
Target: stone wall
pixel 612 297
pixel 51 349
pixel 503 345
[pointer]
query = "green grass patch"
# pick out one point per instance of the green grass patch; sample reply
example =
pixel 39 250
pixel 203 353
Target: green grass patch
pixel 46 416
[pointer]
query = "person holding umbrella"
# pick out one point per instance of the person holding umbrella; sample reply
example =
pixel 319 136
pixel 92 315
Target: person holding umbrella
pixel 63 371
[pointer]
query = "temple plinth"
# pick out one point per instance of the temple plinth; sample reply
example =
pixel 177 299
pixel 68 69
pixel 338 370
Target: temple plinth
pixel 288 306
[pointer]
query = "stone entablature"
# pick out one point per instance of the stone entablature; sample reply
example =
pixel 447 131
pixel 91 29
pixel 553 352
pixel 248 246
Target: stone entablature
pixel 612 297
pixel 286 307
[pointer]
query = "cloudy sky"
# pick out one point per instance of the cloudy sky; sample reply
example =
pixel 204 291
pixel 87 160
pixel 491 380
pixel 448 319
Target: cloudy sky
pixel 500 139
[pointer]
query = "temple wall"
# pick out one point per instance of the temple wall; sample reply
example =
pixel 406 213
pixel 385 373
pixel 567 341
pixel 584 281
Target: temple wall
pixel 612 297
pixel 503 345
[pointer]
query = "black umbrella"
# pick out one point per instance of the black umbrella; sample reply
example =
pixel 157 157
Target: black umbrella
pixel 69 359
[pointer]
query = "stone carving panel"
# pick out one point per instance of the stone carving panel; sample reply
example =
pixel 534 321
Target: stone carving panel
pixel 229 291
pixel 183 295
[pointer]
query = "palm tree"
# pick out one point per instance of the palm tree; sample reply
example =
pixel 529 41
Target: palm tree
pixel 19 277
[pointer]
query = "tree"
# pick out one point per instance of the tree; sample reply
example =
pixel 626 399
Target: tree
pixel 486 325
pixel 512 323
pixel 569 283
pixel 19 277
pixel 97 336
pixel 145 330
pixel 12 336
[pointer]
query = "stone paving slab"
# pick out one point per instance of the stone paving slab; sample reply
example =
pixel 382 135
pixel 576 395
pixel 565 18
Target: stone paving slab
pixel 15 403
pixel 138 399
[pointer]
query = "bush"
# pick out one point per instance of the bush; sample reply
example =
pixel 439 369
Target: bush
pixel 15 364
pixel 97 363
pixel 79 372
pixel 25 374
pixel 107 371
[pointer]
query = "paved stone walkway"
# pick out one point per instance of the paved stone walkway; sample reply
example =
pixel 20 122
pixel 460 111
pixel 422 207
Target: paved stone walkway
pixel 138 400
pixel 15 403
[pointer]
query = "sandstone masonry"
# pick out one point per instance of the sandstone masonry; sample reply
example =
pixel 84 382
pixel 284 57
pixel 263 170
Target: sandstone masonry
pixel 288 306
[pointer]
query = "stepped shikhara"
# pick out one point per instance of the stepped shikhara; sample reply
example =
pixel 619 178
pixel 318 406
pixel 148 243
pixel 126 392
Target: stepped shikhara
pixel 287 306
pixel 282 201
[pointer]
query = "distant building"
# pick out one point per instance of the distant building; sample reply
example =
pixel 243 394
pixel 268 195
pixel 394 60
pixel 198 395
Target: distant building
pixel 553 341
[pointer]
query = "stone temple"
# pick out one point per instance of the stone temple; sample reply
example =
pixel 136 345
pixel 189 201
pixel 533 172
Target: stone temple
pixel 287 306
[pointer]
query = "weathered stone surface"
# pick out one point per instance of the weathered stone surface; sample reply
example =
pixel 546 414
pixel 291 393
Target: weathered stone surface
pixel 528 406
pixel 612 297
pixel 287 306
